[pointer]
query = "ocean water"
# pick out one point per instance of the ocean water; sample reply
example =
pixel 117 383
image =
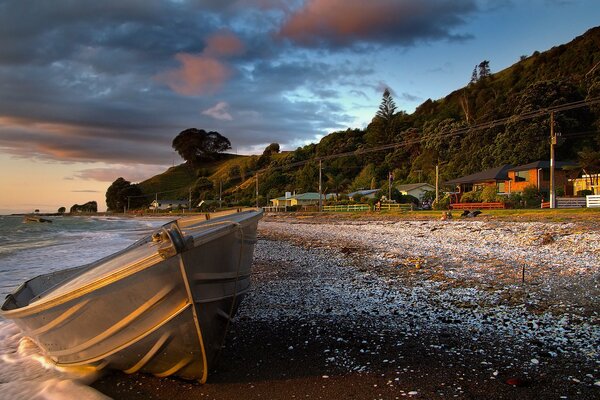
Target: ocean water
pixel 31 249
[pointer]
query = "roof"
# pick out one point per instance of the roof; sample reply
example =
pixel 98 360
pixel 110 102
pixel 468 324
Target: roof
pixel 411 186
pixel 308 196
pixel 302 196
pixel 365 192
pixel 544 165
pixel 492 174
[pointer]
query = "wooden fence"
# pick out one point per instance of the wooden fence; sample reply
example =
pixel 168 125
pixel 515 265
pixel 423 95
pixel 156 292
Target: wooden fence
pixel 347 208
pixel 570 202
pixel 475 206
pixel 593 201
pixel 394 206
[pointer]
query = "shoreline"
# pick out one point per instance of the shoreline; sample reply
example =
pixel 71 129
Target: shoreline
pixel 346 308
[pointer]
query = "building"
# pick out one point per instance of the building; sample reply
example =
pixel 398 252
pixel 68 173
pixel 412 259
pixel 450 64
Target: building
pixel 490 177
pixel 168 204
pixel 368 193
pixel 302 199
pixel 510 179
pixel 415 189
pixel 586 182
pixel 538 174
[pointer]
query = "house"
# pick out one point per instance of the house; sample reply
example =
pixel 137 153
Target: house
pixel 490 177
pixel 510 179
pixel 302 199
pixel 168 204
pixel 586 182
pixel 415 189
pixel 538 174
pixel 369 193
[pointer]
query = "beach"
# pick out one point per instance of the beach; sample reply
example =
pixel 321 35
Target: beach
pixel 371 308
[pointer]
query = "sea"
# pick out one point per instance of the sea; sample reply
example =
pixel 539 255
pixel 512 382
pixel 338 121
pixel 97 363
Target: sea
pixel 31 249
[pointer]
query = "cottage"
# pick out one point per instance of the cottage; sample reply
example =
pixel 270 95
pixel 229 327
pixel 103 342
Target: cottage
pixel 168 204
pixel 369 193
pixel 302 199
pixel 538 174
pixel 415 189
pixel 490 177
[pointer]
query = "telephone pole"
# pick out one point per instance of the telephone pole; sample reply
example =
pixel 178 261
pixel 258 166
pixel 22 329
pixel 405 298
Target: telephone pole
pixel 552 143
pixel 437 182
pixel 320 177
pixel 257 190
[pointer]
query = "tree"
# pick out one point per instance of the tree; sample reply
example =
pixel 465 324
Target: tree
pixel 62 210
pixel 197 145
pixel 121 194
pixel 387 106
pixel 474 76
pixel 484 69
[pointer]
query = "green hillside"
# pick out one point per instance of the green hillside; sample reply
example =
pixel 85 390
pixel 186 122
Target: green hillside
pixel 479 126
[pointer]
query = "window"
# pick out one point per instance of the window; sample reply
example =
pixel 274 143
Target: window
pixel 501 187
pixel 521 176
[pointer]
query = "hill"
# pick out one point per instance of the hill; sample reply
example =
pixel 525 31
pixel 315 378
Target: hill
pixel 482 125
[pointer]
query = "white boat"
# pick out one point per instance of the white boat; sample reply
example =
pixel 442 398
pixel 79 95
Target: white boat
pixel 161 306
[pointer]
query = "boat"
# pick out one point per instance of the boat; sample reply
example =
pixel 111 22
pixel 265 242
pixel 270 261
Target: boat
pixel 35 218
pixel 163 305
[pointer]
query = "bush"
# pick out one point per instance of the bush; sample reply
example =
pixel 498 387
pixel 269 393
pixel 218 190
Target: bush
pixel 531 196
pixel 471 197
pixel 490 194
pixel 585 192
pixel 515 200
pixel 442 204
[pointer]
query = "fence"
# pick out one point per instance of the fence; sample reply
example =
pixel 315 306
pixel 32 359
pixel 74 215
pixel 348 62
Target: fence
pixel 593 201
pixel 395 206
pixel 347 208
pixel 570 202
pixel 474 206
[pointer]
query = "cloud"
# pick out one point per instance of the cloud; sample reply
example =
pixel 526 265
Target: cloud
pixel 346 23
pixel 85 191
pixel 132 173
pixel 219 111
pixel 223 44
pixel 197 75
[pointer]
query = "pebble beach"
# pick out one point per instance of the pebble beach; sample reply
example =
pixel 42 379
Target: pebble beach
pixel 391 308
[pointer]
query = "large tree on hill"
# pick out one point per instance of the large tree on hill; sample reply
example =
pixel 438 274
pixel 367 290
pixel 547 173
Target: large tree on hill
pixel 197 145
pixel 387 106
pixel 122 193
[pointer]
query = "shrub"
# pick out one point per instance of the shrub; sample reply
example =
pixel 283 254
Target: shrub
pixel 442 204
pixel 471 197
pixel 490 194
pixel 531 196
pixel 585 192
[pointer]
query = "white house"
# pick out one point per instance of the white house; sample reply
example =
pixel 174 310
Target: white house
pixel 415 189
pixel 168 204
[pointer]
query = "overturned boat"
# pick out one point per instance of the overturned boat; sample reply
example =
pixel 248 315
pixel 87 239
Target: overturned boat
pixel 162 305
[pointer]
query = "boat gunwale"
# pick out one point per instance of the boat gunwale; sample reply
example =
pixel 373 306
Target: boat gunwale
pixel 43 304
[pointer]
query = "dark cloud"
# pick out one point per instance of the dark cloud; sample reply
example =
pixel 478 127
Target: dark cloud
pixel 347 23
pixel 116 81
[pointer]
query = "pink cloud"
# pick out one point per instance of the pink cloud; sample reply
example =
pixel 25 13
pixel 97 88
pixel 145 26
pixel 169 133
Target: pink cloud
pixel 132 173
pixel 343 22
pixel 197 75
pixel 223 44
pixel 204 73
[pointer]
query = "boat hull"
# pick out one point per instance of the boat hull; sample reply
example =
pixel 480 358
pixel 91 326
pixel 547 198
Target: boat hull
pixel 165 313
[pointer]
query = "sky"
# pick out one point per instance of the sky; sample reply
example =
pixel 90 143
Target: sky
pixel 95 90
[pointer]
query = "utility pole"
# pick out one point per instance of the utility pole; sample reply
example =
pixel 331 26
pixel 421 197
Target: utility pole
pixel 128 203
pixel 220 193
pixel 320 177
pixel 552 143
pixel 437 183
pixel 257 190
pixel 190 201
pixel 389 186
